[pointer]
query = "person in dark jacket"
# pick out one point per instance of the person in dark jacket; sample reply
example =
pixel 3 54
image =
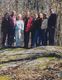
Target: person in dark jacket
pixel 38 28
pixel 33 30
pixel 36 31
pixel 51 27
pixel 11 30
pixel 4 28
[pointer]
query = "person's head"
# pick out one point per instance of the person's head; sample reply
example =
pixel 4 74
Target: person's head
pixel 6 15
pixel 19 17
pixel 41 15
pixel 27 14
pixel 44 16
pixel 13 13
pixel 50 11
pixel 36 15
pixel 53 11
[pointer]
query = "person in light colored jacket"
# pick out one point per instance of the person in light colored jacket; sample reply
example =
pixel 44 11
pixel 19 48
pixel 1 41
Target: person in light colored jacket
pixel 44 30
pixel 18 30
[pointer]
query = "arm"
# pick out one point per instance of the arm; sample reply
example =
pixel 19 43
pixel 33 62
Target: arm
pixel 22 26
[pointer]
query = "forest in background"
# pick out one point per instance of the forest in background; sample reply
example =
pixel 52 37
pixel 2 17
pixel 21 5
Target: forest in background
pixel 35 6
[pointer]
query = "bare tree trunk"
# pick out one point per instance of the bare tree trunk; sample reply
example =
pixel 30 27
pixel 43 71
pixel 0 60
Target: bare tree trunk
pixel 16 5
pixel 37 5
pixel 59 26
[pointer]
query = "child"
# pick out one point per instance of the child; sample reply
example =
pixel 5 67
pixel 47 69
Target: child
pixel 18 30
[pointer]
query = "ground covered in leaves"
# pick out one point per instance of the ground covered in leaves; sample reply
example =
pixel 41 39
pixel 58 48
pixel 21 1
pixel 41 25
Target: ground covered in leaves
pixel 41 63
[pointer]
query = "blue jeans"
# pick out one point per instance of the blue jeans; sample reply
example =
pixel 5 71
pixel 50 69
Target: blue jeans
pixel 44 37
pixel 37 38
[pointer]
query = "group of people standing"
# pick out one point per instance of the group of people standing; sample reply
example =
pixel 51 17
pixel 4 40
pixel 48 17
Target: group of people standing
pixel 11 28
pixel 35 27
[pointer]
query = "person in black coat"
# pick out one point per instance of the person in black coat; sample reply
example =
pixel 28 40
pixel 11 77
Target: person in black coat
pixel 51 27
pixel 33 30
pixel 36 31
pixel 39 24
pixel 4 28
pixel 11 29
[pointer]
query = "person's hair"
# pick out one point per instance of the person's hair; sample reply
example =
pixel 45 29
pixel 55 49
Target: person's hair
pixel 13 13
pixel 19 16
pixel 44 16
pixel 38 15
pixel 6 15
pixel 27 13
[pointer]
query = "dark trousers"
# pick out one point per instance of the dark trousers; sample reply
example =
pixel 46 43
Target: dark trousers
pixel 26 39
pixel 51 36
pixel 4 38
pixel 11 35
pixel 44 37
pixel 39 38
pixel 36 38
pixel 32 38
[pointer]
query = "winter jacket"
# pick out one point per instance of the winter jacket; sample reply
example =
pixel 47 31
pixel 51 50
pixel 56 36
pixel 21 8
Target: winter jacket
pixel 36 24
pixel 12 22
pixel 44 24
pixel 52 21
pixel 19 25
pixel 5 24
pixel 29 24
